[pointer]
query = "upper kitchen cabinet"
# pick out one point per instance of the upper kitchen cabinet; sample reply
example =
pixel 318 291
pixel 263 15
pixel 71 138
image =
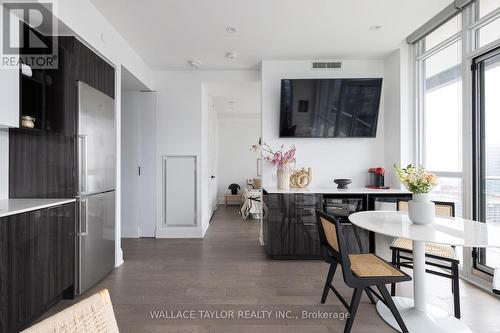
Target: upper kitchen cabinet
pixel 43 159
pixel 40 101
pixel 9 95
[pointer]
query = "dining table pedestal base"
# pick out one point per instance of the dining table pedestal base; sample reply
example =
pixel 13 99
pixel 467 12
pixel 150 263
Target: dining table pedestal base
pixel 433 320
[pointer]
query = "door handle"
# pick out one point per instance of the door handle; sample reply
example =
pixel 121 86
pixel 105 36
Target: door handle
pixel 83 172
pixel 83 217
pixel 213 177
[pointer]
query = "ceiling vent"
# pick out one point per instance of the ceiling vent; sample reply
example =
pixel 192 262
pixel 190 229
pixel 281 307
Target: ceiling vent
pixel 327 65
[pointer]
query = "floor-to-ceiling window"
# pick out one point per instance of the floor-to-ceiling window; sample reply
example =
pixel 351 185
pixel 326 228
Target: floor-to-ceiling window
pixel 440 89
pixel 448 101
pixel 439 60
pixel 485 50
pixel 487 110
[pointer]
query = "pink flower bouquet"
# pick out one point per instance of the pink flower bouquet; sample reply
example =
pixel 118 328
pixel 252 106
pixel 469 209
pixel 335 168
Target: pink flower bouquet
pixel 281 160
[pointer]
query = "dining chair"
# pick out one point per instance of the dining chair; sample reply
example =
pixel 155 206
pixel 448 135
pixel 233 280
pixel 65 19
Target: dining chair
pixel 360 271
pixel 442 256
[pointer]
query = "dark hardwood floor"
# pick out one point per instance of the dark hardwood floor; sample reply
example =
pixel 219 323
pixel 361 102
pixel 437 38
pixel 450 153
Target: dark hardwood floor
pixel 228 271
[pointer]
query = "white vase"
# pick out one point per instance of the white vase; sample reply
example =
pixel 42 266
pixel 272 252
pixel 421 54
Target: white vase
pixel 283 177
pixel 420 209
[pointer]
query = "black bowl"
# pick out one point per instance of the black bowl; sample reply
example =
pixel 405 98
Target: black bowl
pixel 342 183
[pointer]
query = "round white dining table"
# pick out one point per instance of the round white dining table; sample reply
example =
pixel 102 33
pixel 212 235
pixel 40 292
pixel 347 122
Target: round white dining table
pixel 417 314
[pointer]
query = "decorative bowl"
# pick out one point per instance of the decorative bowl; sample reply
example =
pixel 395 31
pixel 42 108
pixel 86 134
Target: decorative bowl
pixel 342 183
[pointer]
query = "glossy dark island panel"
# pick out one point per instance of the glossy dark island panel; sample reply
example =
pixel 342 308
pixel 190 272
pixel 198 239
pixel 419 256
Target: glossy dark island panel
pixel 290 230
pixel 36 263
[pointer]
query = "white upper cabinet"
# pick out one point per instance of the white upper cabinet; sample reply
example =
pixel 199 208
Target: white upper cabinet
pixel 9 91
pixel 9 97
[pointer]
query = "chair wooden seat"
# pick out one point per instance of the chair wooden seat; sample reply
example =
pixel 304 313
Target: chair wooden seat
pixel 439 251
pixel 369 265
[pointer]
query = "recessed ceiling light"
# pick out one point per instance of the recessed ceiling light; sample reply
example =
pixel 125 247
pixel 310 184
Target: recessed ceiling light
pixel 232 55
pixel 230 30
pixel 194 63
pixel 376 27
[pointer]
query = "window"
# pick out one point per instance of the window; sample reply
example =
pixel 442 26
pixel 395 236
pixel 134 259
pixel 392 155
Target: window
pixel 444 32
pixel 487 6
pixel 440 88
pixel 488 33
pixel 487 139
pixel 444 97
pixel 488 23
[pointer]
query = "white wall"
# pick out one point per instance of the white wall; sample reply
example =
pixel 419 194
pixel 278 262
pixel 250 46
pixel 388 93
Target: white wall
pixel 392 93
pixel 398 140
pixel 182 129
pixel 4 163
pixel 235 162
pixel 329 158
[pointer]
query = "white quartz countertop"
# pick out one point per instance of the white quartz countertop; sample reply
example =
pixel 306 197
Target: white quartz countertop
pixel 334 190
pixel 17 206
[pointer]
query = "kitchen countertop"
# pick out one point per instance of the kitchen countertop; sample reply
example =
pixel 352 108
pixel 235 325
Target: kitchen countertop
pixel 334 190
pixel 17 206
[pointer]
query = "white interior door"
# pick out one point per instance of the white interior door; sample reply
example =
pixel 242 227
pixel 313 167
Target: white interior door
pixel 147 163
pixel 130 188
pixel 138 167
pixel 212 158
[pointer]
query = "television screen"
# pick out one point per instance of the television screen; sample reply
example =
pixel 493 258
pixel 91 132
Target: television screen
pixel 329 108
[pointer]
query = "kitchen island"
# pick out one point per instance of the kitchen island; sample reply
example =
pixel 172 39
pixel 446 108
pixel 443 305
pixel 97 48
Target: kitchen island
pixel 290 230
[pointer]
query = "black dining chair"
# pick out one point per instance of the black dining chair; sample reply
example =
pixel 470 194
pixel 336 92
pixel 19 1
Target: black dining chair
pixel 361 271
pixel 442 256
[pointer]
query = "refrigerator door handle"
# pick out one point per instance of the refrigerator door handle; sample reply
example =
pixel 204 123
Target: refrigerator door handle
pixel 83 217
pixel 83 172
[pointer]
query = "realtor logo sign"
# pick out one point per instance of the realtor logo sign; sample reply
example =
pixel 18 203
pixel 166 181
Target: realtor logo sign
pixel 35 47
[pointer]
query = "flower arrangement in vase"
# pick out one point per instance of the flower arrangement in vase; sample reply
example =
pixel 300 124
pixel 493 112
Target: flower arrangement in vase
pixel 284 161
pixel 419 182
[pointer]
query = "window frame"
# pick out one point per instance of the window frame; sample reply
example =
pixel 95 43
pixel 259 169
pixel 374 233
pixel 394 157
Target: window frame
pixel 478 128
pixel 420 57
pixel 471 23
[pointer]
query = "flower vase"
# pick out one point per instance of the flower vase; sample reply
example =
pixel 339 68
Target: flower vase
pixel 283 177
pixel 420 209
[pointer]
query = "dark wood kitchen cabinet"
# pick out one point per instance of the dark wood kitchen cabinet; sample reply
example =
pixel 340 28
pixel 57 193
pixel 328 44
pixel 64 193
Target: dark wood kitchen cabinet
pixel 36 263
pixel 43 160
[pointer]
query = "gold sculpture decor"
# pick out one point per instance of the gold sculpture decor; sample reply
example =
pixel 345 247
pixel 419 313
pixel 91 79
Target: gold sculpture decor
pixel 301 178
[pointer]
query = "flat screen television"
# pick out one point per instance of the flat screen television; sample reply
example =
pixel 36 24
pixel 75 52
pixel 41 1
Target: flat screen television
pixel 330 108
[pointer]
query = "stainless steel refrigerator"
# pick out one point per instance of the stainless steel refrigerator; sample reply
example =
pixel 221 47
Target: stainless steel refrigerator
pixel 96 186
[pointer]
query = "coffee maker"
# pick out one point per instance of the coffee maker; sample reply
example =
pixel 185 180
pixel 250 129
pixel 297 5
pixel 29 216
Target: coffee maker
pixel 377 178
